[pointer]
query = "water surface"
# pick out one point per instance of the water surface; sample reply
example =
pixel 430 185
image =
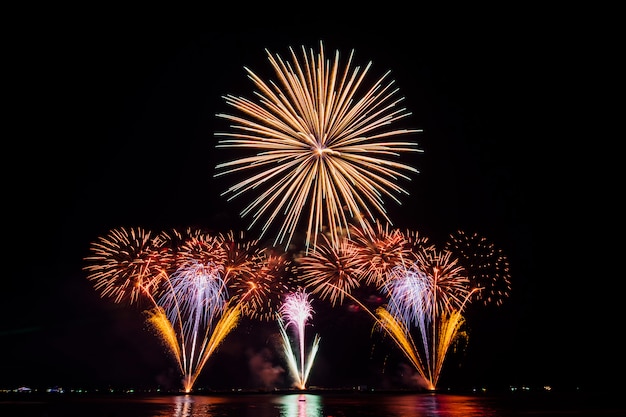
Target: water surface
pixel 313 405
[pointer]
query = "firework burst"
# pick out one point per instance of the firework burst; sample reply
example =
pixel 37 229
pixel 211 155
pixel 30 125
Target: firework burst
pixel 239 253
pixel 127 263
pixel 194 247
pixel 416 242
pixel 380 249
pixel 487 267
pixel 330 271
pixel 320 142
pixel 450 285
pixel 260 292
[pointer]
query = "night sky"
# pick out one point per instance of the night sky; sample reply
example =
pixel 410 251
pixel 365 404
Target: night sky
pixel 113 127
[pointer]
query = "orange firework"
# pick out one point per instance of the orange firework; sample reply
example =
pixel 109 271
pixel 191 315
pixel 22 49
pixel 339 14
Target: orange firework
pixel 196 246
pixel 379 249
pixel 127 263
pixel 260 291
pixel 330 271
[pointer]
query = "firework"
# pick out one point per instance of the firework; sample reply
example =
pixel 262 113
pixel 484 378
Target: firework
pixel 380 249
pixel 295 311
pixel 194 313
pixel 487 267
pixel 330 271
pixel 195 246
pixel 429 295
pixel 240 253
pixel 416 242
pixel 192 358
pixel 127 263
pixel 193 281
pixel 426 290
pixel 195 296
pixel 320 142
pixel 260 292
pixel 450 285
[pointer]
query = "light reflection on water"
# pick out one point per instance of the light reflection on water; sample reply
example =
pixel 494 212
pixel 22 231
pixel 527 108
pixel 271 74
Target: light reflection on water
pixel 313 405
pixel 440 405
pixel 291 405
pixel 325 404
pixel 300 405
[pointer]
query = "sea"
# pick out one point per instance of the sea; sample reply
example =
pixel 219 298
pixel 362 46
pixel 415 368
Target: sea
pixel 318 404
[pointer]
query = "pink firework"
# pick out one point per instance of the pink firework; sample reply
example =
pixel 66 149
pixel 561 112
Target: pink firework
pixel 295 312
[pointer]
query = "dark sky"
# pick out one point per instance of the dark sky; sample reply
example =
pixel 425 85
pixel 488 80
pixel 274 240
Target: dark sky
pixel 113 127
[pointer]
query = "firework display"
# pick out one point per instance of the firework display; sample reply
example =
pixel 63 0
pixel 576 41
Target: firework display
pixel 425 290
pixel 197 285
pixel 321 155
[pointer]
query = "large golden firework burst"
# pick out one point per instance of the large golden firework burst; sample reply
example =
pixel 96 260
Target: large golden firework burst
pixel 323 147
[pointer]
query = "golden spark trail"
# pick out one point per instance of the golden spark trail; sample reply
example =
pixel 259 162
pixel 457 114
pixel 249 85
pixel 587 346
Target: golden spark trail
pixel 227 322
pixel 158 319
